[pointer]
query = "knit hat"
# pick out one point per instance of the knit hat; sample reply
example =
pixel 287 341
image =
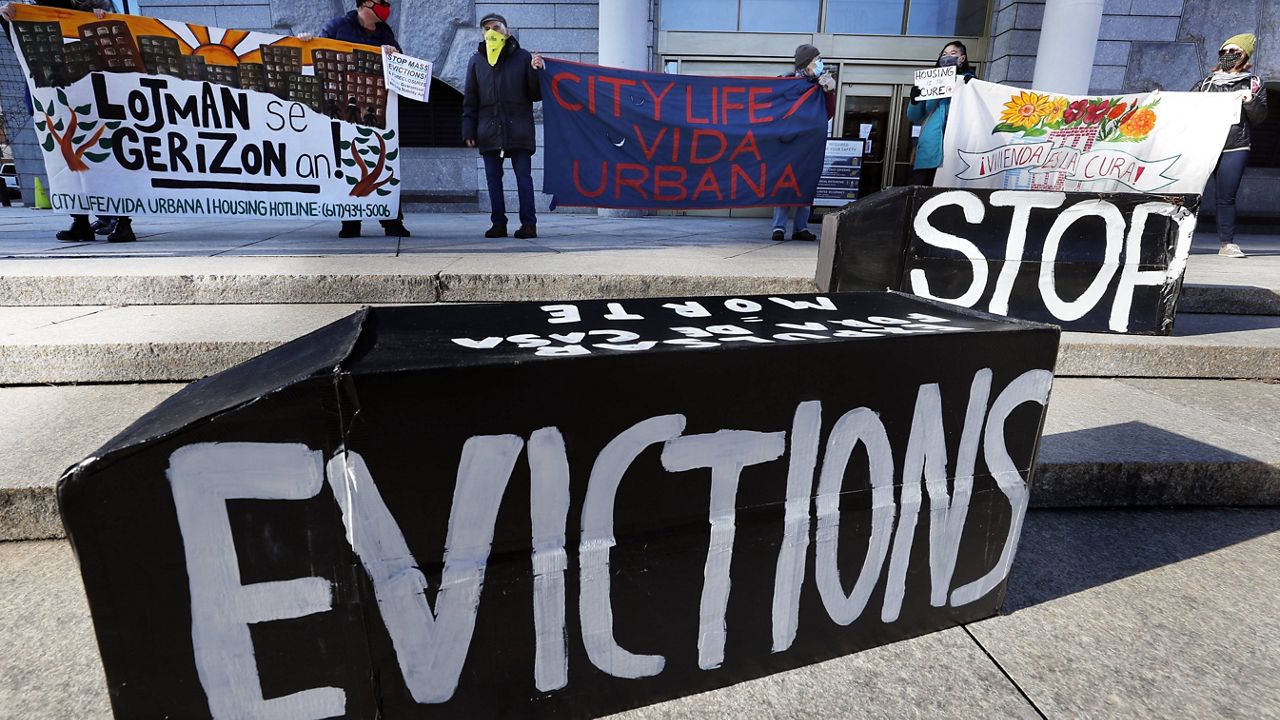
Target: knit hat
pixel 1245 41
pixel 805 55
pixel 492 16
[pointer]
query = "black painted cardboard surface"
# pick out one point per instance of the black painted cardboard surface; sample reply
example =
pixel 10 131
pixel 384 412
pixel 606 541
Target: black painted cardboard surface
pixel 359 433
pixel 876 244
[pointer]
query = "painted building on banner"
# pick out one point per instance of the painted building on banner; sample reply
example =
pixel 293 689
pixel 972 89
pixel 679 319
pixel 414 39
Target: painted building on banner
pixel 873 46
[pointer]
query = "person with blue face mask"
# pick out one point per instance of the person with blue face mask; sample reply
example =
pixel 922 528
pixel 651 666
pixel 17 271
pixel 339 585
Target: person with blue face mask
pixel 931 115
pixel 809 65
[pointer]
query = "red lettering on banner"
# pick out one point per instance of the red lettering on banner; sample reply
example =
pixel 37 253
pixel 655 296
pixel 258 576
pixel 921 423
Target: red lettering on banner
pixel 757 189
pixel 555 91
pixel 635 183
pixel 604 180
pixel 618 84
pixel 657 97
pixel 708 183
pixel 693 149
pixel 726 104
pixel 649 150
pixel 801 101
pixel 688 108
pixel 753 106
pixel 591 94
pixel 659 184
pixel 675 146
pixel 787 180
pixel 748 145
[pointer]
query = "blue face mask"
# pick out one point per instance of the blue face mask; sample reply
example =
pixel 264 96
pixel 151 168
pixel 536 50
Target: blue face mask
pixel 948 60
pixel 819 68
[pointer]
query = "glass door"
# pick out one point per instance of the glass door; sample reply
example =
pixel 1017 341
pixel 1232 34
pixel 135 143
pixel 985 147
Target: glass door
pixel 865 117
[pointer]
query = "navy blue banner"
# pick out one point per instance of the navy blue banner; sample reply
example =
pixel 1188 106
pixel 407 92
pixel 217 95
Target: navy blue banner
pixel 639 140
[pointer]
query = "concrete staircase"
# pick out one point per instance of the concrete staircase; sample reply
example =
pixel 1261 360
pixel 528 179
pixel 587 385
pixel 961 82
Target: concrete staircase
pixel 86 346
pixel 88 343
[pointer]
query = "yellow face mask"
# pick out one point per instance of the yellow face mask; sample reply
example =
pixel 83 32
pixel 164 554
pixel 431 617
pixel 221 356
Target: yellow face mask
pixel 494 41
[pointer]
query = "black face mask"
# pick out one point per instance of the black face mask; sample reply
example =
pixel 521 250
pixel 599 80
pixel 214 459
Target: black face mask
pixel 1230 60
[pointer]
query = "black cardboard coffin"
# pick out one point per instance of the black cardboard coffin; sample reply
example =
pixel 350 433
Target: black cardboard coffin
pixel 1077 260
pixel 558 509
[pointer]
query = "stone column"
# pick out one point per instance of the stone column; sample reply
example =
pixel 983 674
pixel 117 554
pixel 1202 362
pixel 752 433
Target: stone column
pixel 624 28
pixel 1068 42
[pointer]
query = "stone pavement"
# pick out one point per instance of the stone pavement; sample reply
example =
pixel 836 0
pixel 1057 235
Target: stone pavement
pixel 1121 613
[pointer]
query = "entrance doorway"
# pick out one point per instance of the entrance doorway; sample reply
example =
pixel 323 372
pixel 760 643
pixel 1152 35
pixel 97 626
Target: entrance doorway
pixel 877 115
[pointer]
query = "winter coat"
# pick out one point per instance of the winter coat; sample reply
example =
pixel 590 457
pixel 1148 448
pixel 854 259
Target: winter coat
pixel 932 114
pixel 1254 111
pixel 497 105
pixel 347 28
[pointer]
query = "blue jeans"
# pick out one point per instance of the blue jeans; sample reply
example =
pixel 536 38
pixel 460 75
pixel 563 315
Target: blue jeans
pixel 522 164
pixel 801 221
pixel 1226 182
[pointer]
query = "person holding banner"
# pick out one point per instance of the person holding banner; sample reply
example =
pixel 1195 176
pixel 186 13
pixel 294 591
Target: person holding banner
pixel 809 66
pixel 116 228
pixel 366 25
pixel 931 115
pixel 497 117
pixel 1233 75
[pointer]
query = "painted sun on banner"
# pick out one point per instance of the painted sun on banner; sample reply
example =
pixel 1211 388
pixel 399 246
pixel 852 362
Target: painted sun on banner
pixel 142 116
pixel 1004 137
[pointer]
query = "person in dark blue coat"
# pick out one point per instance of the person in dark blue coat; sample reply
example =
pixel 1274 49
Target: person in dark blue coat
pixel 932 115
pixel 366 25
pixel 497 117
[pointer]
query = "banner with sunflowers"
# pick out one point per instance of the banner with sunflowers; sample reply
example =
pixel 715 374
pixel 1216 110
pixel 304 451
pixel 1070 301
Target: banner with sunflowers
pixel 1005 137
pixel 143 116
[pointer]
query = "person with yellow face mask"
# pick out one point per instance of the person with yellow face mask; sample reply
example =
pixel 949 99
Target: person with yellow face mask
pixel 497 118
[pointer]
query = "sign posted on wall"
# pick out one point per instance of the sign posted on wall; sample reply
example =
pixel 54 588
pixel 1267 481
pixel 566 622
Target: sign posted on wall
pixel 142 116
pixel 558 510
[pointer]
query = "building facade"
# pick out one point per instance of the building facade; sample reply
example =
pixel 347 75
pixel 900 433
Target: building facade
pixel 873 46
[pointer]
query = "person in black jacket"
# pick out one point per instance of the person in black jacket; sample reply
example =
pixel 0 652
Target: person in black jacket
pixel 497 117
pixel 1233 75
pixel 366 25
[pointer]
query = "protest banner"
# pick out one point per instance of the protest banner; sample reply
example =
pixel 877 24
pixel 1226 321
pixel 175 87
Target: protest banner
pixel 143 116
pixel 558 510
pixel 1006 137
pixel 407 76
pixel 841 172
pixel 636 140
pixel 936 83
pixel 1084 261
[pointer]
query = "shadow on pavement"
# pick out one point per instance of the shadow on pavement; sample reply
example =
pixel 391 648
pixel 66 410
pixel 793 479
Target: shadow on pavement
pixel 1069 551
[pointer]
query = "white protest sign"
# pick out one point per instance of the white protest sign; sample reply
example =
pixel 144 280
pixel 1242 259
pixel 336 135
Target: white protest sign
pixel 935 83
pixel 407 76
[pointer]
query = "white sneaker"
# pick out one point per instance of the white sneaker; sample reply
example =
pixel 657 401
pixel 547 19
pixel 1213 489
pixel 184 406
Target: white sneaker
pixel 1231 250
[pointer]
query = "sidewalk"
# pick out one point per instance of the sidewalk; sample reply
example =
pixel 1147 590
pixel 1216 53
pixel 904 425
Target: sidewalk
pixel 1133 614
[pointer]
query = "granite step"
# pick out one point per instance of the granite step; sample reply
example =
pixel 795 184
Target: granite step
pixel 548 269
pixel 180 343
pixel 1107 443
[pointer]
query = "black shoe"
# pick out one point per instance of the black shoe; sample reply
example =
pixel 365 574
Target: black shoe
pixel 395 228
pixel 804 235
pixel 526 231
pixel 104 227
pixel 123 231
pixel 80 231
pixel 496 231
pixel 350 229
pixel 779 236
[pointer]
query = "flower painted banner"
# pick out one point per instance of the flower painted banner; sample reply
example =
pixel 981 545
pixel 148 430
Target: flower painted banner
pixel 143 116
pixel 1004 137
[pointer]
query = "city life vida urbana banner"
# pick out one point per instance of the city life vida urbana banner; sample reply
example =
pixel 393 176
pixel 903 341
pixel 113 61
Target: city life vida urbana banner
pixel 1161 142
pixel 143 116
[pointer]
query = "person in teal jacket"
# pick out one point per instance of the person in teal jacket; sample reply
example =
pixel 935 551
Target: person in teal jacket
pixel 932 115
